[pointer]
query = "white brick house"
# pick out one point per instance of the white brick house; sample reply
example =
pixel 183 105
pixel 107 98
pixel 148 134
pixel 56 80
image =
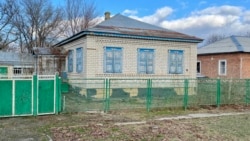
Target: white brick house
pixel 121 47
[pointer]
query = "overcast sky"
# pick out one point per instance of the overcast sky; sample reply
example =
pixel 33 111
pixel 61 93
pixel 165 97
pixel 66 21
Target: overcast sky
pixel 197 18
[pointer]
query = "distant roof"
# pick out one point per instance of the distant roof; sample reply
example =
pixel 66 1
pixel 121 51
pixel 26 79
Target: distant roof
pixel 41 51
pixel 48 51
pixel 16 59
pixel 125 27
pixel 228 45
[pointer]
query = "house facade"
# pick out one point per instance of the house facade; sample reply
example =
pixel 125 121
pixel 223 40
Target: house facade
pixel 121 47
pixel 227 58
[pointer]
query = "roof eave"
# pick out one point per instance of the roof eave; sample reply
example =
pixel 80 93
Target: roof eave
pixel 215 53
pixel 110 34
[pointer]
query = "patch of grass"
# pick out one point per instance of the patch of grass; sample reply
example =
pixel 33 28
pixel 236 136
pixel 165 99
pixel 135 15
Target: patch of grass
pixel 232 126
pixel 114 129
pixel 81 130
pixel 101 126
pixel 224 128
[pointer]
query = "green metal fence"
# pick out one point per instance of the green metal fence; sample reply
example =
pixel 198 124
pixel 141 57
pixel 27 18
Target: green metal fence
pixel 116 94
pixel 33 95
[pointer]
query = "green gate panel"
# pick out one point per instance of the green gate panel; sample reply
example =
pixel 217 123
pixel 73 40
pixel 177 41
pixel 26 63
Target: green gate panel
pixel 23 97
pixel 5 97
pixel 46 96
pixel 3 70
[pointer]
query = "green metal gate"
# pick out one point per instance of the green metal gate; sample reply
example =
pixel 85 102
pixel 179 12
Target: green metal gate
pixel 5 97
pixel 36 95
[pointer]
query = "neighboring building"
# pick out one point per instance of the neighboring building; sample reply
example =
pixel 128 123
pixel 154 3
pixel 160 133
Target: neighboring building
pixel 48 61
pixel 16 64
pixel 227 58
pixel 121 47
pixel 43 61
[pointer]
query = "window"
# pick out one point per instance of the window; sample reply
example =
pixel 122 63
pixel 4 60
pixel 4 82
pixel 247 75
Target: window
pixel 112 60
pixel 145 63
pixel 27 70
pixel 222 67
pixel 175 61
pixel 198 67
pixel 70 61
pixel 79 60
pixel 17 71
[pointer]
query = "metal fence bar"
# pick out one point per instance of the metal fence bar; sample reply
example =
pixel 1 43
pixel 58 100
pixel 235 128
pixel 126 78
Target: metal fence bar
pixel 186 82
pixel 107 95
pixel 149 93
pixel 35 93
pixel 218 94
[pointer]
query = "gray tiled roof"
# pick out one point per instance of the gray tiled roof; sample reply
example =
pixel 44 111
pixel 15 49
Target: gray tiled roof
pixel 227 45
pixel 11 58
pixel 126 22
pixel 122 26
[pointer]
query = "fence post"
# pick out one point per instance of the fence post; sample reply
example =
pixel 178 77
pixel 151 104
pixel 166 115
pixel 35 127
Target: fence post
pixel 218 95
pixel 35 90
pixel 58 94
pixel 149 94
pixel 185 101
pixel 107 94
pixel 247 91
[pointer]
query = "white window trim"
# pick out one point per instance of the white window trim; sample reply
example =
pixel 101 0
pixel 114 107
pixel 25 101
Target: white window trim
pixel 105 59
pixel 200 67
pixel 138 59
pixel 73 61
pixel 76 60
pixel 219 66
pixel 183 62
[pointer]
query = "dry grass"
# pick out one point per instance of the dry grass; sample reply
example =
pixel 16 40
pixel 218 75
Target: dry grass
pixel 101 126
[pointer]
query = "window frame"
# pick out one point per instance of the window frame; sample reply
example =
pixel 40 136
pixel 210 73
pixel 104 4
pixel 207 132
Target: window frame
pixel 79 59
pixel 219 67
pixel 116 61
pixel 175 64
pixel 148 51
pixel 199 67
pixel 17 70
pixel 71 61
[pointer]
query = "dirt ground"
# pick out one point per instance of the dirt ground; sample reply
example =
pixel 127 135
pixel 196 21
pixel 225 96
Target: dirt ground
pixel 104 126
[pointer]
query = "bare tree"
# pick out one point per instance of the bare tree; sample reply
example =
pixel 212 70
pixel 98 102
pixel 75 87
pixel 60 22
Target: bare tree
pixel 80 14
pixel 37 23
pixel 7 12
pixel 213 38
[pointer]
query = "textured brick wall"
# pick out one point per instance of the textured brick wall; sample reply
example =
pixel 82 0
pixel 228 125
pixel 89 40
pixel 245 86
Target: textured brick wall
pixel 94 47
pixel 238 65
pixel 130 46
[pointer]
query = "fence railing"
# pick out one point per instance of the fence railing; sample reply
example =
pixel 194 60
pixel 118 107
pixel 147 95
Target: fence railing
pixel 115 94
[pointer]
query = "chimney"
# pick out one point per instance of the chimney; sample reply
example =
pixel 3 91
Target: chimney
pixel 107 15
